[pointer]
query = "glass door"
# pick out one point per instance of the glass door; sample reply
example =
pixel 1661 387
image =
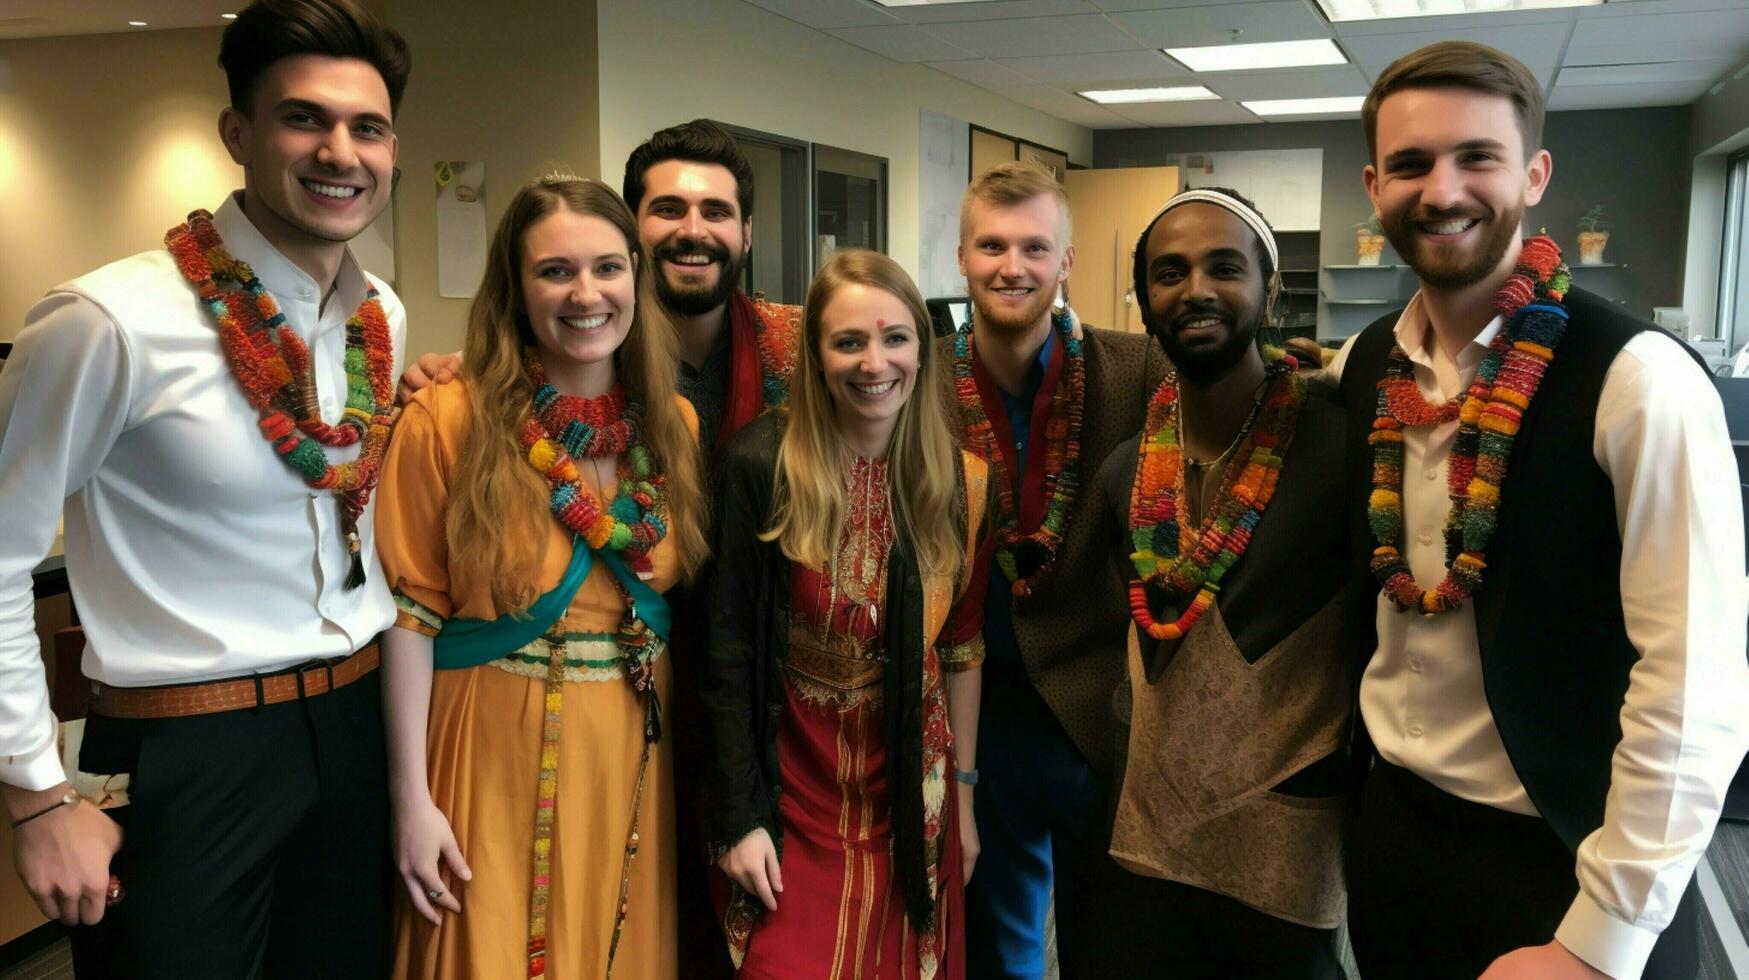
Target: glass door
pixel 850 201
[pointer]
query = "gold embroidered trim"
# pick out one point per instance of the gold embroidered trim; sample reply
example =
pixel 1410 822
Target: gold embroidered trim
pixel 836 669
pixel 962 656
pixel 413 616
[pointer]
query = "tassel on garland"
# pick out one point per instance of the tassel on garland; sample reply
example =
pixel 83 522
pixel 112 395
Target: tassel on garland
pixel 354 551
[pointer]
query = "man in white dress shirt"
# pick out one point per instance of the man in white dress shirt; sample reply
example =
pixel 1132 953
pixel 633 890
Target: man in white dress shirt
pixel 231 662
pixel 1553 751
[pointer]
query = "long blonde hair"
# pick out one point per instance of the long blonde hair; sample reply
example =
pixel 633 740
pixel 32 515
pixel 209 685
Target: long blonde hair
pixel 809 497
pixel 498 503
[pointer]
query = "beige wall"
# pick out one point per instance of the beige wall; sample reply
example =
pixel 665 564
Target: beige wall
pixel 106 141
pixel 511 85
pixel 740 64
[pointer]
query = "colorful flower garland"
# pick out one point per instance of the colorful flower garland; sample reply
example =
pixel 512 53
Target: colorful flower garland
pixel 273 367
pixel 1488 421
pixel 1169 553
pixel 1062 456
pixel 558 431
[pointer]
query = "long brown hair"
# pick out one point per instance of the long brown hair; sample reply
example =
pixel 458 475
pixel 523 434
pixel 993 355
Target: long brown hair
pixel 498 503
pixel 810 499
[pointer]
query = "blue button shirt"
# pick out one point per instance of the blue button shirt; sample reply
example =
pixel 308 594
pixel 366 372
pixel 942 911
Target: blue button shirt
pixel 1001 650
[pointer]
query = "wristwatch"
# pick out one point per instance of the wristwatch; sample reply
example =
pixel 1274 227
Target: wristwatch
pixel 967 776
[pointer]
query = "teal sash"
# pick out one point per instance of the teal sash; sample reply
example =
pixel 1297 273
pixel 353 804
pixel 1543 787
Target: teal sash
pixel 471 642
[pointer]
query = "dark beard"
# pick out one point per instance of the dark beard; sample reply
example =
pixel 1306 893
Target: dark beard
pixel 1453 271
pixel 698 300
pixel 1206 366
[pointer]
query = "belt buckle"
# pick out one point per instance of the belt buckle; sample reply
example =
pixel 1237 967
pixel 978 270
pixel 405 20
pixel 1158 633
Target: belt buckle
pixel 325 664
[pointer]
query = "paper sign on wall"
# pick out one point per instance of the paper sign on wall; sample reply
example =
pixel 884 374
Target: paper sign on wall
pixel 461 227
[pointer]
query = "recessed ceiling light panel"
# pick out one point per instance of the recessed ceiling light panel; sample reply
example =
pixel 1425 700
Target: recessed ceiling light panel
pixel 1348 10
pixel 1121 96
pixel 1305 107
pixel 1256 57
pixel 136 23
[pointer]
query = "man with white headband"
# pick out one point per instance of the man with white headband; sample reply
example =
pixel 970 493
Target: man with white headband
pixel 1226 517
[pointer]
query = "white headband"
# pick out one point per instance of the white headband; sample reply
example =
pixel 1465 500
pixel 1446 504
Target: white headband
pixel 1247 215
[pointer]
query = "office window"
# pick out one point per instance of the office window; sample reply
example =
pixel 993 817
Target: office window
pixel 1734 256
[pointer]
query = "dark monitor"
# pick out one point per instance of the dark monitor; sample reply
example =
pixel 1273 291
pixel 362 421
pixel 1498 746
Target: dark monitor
pixel 1734 392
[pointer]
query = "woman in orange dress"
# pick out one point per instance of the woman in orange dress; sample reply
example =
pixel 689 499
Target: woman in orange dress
pixel 842 669
pixel 530 516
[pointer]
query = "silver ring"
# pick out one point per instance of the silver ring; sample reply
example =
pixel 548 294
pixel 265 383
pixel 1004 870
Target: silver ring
pixel 434 894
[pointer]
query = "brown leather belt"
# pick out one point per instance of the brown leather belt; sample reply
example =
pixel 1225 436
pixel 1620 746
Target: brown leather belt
pixel 210 697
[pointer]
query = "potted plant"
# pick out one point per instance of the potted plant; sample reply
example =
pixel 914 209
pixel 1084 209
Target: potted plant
pixel 1593 236
pixel 1369 237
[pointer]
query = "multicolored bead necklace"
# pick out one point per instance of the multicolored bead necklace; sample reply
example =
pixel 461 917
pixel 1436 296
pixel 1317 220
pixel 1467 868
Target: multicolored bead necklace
pixel 1025 556
pixel 272 365
pixel 1191 562
pixel 563 429
pixel 1488 421
pixel 639 650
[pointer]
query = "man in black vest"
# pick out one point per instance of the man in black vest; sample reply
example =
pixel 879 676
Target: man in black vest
pixel 1559 695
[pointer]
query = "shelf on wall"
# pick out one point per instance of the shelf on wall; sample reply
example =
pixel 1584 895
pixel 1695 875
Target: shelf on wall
pixel 1307 290
pixel 1362 302
pixel 1286 271
pixel 1380 266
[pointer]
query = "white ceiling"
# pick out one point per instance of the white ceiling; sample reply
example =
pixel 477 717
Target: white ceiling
pixel 48 18
pixel 1039 53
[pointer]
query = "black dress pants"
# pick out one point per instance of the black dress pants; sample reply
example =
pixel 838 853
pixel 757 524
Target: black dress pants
pixel 255 843
pixel 1440 887
pixel 1153 929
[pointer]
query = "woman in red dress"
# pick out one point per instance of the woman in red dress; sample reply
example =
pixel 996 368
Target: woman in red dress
pixel 845 651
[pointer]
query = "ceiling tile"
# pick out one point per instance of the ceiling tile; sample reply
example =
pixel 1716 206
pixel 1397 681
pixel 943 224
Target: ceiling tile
pixel 1535 45
pixel 1572 97
pixel 823 14
pixel 1083 71
pixel 1304 83
pixel 936 13
pixel 1181 27
pixel 1072 108
pixel 1652 73
pixel 1457 25
pixel 1115 6
pixel 1643 8
pixel 900 42
pixel 1727 48
pixel 986 74
pixel 1187 114
pixel 1084 34
pixel 1661 27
